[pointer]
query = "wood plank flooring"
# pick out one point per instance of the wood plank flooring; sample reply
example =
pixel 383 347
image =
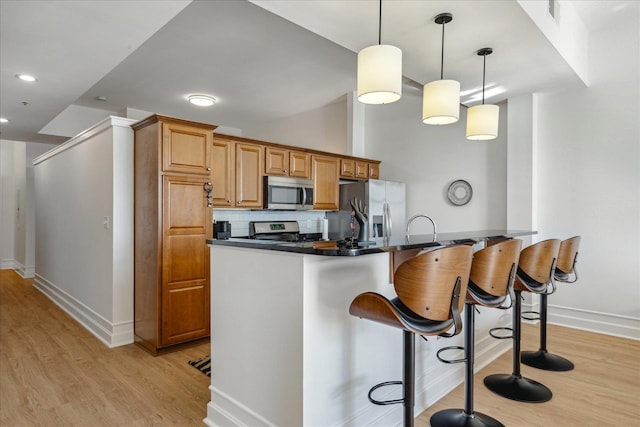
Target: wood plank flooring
pixel 55 373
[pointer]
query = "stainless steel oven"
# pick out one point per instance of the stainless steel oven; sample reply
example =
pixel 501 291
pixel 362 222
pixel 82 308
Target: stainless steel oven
pixel 284 193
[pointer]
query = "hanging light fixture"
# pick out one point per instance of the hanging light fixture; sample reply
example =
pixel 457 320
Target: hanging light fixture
pixel 441 98
pixel 482 120
pixel 379 72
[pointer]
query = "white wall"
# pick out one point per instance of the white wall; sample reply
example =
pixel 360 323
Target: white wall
pixel 588 183
pixel 81 264
pixel 428 158
pixel 8 172
pixel 17 239
pixel 323 129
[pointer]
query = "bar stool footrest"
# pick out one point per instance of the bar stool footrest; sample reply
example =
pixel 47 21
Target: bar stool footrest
pixel 451 347
pixel 493 331
pixel 461 418
pixel 530 315
pixel 384 402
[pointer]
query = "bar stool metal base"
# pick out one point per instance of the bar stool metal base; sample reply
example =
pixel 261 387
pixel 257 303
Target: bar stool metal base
pixel 460 418
pixel 516 387
pixel 542 359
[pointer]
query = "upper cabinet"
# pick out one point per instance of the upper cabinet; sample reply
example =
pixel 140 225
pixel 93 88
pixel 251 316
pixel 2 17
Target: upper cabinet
pixel 374 170
pixel 186 149
pixel 326 178
pixel 283 162
pixel 248 175
pixel 237 174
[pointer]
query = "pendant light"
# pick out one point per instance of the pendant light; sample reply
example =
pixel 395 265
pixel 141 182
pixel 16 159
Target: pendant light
pixel 482 120
pixel 441 98
pixel 379 72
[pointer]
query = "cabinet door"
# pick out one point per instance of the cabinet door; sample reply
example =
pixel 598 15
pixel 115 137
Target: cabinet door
pixel 186 225
pixel 326 175
pixel 362 170
pixel 374 171
pixel 299 164
pixel 276 161
pixel 347 168
pixel 223 173
pixel 248 175
pixel 186 149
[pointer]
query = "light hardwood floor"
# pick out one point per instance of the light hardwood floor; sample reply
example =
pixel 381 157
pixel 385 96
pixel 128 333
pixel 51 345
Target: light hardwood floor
pixel 55 373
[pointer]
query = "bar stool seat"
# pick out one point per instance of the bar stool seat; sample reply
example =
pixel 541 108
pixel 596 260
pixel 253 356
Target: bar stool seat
pixel 534 274
pixel 565 271
pixel 428 288
pixel 490 284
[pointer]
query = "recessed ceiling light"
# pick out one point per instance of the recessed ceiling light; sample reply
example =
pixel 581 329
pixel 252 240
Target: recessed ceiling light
pixel 3 120
pixel 202 100
pixel 26 78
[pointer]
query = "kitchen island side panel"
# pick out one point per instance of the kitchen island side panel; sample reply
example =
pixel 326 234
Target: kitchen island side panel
pixel 256 338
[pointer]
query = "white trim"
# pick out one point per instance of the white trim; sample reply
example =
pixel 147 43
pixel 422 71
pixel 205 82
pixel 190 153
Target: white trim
pixel 24 272
pixel 7 264
pixel 594 321
pixel 227 411
pixel 102 126
pixel 111 334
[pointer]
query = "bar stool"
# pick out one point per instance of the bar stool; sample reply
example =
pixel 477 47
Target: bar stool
pixel 490 281
pixel 565 271
pixel 428 288
pixel 535 269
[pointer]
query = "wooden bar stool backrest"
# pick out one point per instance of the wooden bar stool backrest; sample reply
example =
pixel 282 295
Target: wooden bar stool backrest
pixel 537 263
pixel 425 283
pixel 493 268
pixel 567 254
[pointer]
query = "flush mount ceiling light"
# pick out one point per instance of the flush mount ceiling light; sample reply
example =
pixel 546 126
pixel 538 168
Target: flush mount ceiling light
pixel 379 72
pixel 441 98
pixel 482 120
pixel 202 100
pixel 3 120
pixel 26 78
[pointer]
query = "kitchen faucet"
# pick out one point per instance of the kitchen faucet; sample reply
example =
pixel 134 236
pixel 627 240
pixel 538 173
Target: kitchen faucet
pixel 421 216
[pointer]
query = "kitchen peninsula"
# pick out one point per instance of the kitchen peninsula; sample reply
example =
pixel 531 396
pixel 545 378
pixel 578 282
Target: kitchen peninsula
pixel 285 350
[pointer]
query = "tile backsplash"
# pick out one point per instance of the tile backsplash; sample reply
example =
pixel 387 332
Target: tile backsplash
pixel 308 221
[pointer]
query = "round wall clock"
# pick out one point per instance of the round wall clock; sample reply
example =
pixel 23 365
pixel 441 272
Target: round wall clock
pixel 459 192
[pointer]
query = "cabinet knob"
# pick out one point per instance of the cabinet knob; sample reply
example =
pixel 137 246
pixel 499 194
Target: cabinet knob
pixel 208 169
pixel 229 201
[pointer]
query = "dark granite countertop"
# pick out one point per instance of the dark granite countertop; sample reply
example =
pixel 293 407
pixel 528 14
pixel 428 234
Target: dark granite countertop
pixel 376 245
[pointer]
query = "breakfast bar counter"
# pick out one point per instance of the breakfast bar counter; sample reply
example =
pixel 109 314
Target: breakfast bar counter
pixel 286 352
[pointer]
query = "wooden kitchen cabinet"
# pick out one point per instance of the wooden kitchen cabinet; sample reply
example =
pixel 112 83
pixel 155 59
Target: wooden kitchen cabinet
pixel 248 175
pixel 347 168
pixel 284 162
pixel 361 169
pixel 325 172
pixel 172 221
pixel 374 170
pixel 237 173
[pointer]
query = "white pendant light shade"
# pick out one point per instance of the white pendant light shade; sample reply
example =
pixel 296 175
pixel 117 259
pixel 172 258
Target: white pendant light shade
pixel 441 102
pixel 379 74
pixel 482 122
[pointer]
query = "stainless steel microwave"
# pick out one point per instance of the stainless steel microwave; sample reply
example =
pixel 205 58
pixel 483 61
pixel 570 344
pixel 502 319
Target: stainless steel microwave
pixel 284 193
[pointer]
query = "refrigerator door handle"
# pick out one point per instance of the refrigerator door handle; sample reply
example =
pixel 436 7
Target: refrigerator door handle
pixel 387 220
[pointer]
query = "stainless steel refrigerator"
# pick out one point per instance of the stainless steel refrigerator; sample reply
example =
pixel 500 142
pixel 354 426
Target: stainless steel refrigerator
pixel 385 208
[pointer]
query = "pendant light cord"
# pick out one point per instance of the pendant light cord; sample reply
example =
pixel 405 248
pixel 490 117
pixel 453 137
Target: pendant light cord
pixel 484 70
pixel 442 55
pixel 380 25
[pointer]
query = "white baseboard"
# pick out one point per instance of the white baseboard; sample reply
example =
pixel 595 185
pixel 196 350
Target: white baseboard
pixel 593 321
pixel 24 272
pixel 223 410
pixel 111 334
pixel 6 264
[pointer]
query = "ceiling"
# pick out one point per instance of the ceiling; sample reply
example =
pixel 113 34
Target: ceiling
pixel 263 60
